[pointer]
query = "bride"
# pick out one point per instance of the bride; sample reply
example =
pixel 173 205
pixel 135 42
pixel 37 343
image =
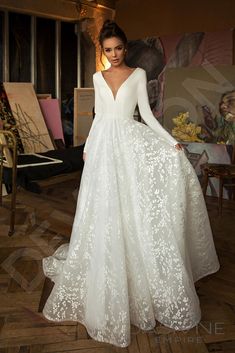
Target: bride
pixel 141 235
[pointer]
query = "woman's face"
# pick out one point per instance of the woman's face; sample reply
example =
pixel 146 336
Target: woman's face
pixel 114 50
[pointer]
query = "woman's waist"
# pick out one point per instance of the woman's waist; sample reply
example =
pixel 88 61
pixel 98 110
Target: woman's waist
pixel 115 116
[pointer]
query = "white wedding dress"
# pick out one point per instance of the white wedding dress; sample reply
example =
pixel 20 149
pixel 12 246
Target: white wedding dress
pixel 141 235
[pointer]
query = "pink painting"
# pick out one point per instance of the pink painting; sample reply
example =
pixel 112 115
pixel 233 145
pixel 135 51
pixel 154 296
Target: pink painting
pixel 52 115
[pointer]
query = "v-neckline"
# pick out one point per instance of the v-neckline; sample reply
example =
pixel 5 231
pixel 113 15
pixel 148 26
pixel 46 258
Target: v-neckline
pixel 115 97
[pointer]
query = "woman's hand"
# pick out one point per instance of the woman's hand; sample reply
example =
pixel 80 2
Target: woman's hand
pixel 179 147
pixel 84 156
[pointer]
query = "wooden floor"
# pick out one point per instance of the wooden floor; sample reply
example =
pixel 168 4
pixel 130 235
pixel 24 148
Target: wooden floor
pixel 43 223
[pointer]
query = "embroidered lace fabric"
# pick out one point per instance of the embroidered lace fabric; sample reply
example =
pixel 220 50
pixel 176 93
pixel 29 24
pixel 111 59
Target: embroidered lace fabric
pixel 141 235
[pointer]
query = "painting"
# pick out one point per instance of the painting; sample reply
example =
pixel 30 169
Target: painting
pixel 199 104
pixel 8 121
pixel 158 54
pixel 83 113
pixel 27 114
pixel 52 115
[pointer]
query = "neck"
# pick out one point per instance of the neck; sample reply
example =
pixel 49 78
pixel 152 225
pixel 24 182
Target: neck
pixel 119 67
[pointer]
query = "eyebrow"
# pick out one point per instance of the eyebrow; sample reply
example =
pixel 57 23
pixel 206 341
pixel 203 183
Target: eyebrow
pixel 119 45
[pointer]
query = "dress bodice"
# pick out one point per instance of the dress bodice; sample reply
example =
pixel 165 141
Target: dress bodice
pixel 124 103
pixel 133 91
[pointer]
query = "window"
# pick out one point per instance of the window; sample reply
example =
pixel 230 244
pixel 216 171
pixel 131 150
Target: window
pixel 1 46
pixel 68 59
pixel 19 47
pixel 45 56
pixel 16 44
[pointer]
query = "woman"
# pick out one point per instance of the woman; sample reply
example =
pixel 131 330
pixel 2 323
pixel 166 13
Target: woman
pixel 141 235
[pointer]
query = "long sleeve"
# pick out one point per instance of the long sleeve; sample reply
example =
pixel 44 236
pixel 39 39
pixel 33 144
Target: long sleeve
pixel 97 111
pixel 146 113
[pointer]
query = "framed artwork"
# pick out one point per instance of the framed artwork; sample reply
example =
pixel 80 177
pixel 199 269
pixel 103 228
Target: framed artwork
pixel 84 101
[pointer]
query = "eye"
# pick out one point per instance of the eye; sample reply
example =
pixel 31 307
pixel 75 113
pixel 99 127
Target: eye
pixel 107 50
pixel 119 48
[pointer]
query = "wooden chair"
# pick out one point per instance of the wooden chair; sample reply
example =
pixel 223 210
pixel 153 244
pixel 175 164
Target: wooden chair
pixel 70 161
pixel 225 173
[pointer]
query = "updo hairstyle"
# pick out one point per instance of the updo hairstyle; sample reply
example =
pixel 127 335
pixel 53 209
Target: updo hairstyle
pixel 109 30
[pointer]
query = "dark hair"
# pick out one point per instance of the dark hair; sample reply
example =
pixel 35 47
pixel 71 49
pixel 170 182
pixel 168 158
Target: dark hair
pixel 111 29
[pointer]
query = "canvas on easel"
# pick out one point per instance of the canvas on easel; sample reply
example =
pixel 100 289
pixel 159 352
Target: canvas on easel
pixel 83 114
pixel 28 116
pixel 52 115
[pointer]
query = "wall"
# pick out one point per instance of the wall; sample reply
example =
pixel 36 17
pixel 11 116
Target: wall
pixel 141 18
pixel 57 9
pixel 67 10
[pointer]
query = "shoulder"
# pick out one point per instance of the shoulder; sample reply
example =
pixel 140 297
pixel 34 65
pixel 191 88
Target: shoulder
pixel 96 74
pixel 96 78
pixel 141 71
pixel 141 74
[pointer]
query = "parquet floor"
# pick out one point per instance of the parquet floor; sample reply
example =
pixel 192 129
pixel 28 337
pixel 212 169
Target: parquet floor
pixel 43 223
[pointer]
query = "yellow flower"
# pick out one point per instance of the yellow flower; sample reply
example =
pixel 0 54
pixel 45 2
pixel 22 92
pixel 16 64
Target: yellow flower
pixel 181 119
pixel 185 130
pixel 187 133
